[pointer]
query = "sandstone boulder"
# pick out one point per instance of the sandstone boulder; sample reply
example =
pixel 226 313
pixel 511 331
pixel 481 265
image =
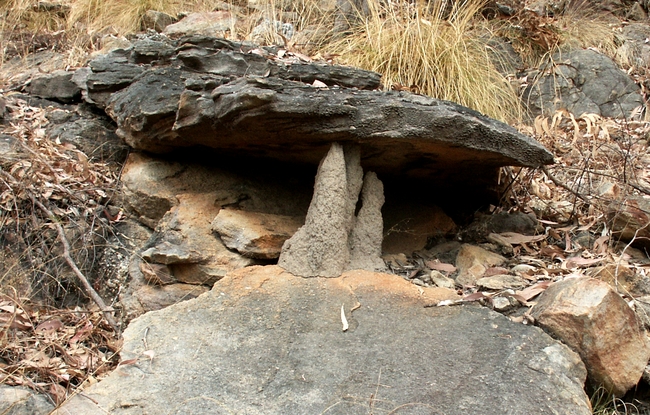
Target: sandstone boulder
pixel 205 23
pixel 255 234
pixel 266 342
pixel 592 319
pixel 472 262
pixel 241 98
pixel 16 400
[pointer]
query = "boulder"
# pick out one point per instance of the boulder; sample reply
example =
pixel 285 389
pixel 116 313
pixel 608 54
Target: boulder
pixel 203 23
pixel 582 81
pixel 57 85
pixel 629 218
pixel 266 342
pixel 592 319
pixel 472 262
pixel 501 282
pixel 15 400
pixel 152 298
pixel 156 20
pixel 184 242
pixel 255 234
pixel 242 98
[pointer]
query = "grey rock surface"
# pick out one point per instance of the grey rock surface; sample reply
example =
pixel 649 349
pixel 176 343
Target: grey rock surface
pixel 57 85
pixel 399 133
pixel 238 97
pixel 582 81
pixel 266 342
pixel 15 400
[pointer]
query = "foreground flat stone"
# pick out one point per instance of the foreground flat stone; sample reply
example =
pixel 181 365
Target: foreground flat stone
pixel 266 342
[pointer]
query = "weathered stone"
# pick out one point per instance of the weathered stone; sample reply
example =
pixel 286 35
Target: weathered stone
pixel 155 113
pixel 629 218
pixel 368 230
pixel 147 190
pixel 266 342
pixel 472 262
pixel 157 274
pixel 224 58
pixel 582 81
pixel 93 134
pixel 16 400
pixel 156 20
pixel 203 23
pixel 184 241
pixel 254 234
pixel 110 73
pixel 501 282
pixel 399 133
pixel 57 85
pixel 483 225
pixel 623 279
pixel 151 185
pixel 592 319
pixel 320 247
pixel 409 226
pixel 440 280
pixel 152 298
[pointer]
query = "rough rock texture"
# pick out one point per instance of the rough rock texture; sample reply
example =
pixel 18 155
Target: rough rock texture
pixel 205 23
pixel 501 282
pixel 399 133
pixel 156 20
pixel 582 81
pixel 254 234
pixel 630 218
pixel 237 97
pixel 92 133
pixel 320 247
pixel 588 316
pixel 409 226
pixel 266 342
pixel 57 85
pixel 22 401
pixel 184 241
pixel 472 262
pixel 366 237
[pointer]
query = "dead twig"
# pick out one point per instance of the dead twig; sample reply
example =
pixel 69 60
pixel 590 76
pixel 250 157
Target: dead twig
pixel 84 281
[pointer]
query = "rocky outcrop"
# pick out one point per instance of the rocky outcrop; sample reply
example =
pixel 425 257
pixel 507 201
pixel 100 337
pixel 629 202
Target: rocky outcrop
pixel 240 98
pixel 255 234
pixel 592 319
pixel 266 342
pixel 16 400
pixel 582 81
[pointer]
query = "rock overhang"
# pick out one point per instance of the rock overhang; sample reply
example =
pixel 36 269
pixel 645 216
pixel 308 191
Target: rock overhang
pixel 236 99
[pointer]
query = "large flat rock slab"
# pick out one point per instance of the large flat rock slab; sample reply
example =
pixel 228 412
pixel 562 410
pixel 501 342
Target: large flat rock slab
pixel 266 342
pixel 198 92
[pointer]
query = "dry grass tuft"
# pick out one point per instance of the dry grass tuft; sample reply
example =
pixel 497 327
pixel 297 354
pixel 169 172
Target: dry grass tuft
pixel 433 50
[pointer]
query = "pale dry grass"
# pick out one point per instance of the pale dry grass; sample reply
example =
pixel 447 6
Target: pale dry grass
pixel 433 50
